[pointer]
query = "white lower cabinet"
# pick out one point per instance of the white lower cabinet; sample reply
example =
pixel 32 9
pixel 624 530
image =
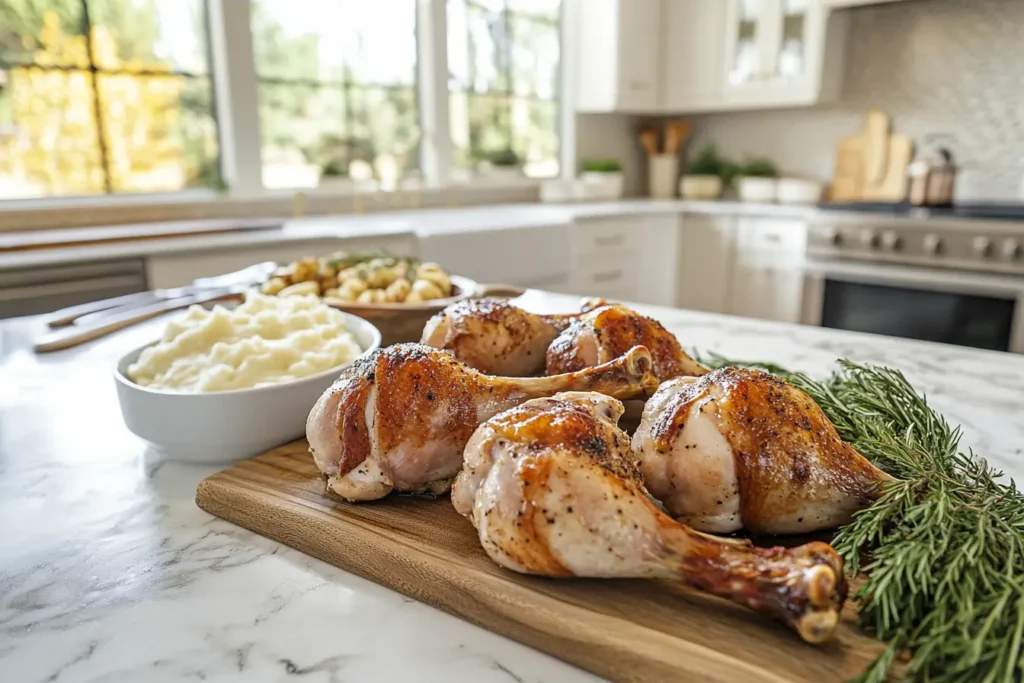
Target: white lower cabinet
pixel 706 251
pixel 624 258
pixel 746 266
pixel 767 275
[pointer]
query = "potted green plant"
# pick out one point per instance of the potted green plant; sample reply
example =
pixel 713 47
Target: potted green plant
pixel 601 179
pixel 501 165
pixel 706 176
pixel 757 181
pixel 334 177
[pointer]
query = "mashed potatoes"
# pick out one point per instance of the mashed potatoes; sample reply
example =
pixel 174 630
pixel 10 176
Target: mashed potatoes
pixel 265 340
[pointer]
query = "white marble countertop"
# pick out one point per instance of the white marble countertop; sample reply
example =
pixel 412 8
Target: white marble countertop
pixel 419 222
pixel 109 572
pixel 428 222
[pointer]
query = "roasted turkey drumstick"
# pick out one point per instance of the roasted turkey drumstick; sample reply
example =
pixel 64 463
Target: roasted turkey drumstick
pixel 606 332
pixel 743 448
pixel 495 337
pixel 400 418
pixel 553 489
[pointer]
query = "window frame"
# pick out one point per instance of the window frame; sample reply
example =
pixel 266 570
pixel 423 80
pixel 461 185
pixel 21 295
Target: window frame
pixel 235 104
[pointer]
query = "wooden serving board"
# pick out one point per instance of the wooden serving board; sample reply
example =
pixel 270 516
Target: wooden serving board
pixel 625 630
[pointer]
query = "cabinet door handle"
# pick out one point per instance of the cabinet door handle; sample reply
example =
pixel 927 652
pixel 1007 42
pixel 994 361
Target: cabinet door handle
pixel 612 241
pixel 608 276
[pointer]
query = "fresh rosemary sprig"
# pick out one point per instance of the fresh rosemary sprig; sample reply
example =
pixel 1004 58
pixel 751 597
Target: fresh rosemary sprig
pixel 943 548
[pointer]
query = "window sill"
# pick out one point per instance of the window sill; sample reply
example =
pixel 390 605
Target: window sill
pixel 107 210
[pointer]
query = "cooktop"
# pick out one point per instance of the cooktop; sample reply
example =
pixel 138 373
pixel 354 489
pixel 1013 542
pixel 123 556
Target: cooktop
pixel 993 211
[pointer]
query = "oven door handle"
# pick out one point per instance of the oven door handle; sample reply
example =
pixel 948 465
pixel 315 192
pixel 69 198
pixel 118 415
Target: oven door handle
pixel 935 279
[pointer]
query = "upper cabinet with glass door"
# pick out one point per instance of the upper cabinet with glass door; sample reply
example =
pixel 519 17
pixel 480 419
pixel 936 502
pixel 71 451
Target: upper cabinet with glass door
pixel 782 53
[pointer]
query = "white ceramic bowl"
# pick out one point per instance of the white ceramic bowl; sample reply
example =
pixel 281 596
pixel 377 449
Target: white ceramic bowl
pixel 700 186
pixel 798 191
pixel 224 426
pixel 606 186
pixel 757 189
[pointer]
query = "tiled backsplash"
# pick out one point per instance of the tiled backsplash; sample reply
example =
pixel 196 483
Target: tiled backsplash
pixel 948 67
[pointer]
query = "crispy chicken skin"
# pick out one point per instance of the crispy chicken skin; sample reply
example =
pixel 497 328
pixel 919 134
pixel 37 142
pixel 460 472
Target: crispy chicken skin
pixel 400 418
pixel 607 332
pixel 741 448
pixel 553 489
pixel 494 336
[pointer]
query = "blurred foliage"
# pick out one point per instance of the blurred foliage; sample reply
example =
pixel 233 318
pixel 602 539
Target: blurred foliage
pixel 505 94
pixel 504 158
pixel 601 166
pixel 310 114
pixel 157 128
pixel 709 162
pixel 759 168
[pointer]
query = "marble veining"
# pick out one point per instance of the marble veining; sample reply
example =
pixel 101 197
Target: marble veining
pixel 109 572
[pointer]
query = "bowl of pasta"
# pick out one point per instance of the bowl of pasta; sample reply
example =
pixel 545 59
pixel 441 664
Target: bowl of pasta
pixel 397 294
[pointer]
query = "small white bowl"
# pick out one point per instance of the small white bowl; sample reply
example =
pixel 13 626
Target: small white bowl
pixel 798 191
pixel 700 186
pixel 757 189
pixel 225 426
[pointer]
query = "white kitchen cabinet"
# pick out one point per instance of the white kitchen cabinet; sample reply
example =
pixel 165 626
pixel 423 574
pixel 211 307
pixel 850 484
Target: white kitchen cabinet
pixel 624 258
pixel 781 53
pixel 767 273
pixel 659 266
pixel 692 69
pixel 616 48
pixel 175 270
pixel 705 260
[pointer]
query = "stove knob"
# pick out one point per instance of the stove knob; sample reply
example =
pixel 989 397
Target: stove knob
pixel 836 238
pixel 1011 249
pixel 869 238
pixel 933 244
pixel 891 241
pixel 983 247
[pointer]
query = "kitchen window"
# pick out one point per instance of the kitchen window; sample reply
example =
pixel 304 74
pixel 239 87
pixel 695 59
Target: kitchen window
pixel 111 96
pixel 133 97
pixel 503 62
pixel 337 88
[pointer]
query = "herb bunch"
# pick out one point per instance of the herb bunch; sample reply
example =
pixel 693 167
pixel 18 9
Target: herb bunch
pixel 942 549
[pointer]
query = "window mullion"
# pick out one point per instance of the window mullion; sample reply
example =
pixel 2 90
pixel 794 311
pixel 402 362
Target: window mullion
pixel 235 90
pixel 432 65
pixel 568 35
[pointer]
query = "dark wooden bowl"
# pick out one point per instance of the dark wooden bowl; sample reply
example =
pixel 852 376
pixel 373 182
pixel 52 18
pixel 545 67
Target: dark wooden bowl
pixel 404 322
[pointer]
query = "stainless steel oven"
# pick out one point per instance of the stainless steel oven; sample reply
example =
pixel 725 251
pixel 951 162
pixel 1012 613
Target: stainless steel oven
pixel 951 282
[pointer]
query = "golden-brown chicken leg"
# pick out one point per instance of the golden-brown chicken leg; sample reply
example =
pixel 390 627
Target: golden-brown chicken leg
pixel 743 448
pixel 606 332
pixel 400 418
pixel 494 336
pixel 553 489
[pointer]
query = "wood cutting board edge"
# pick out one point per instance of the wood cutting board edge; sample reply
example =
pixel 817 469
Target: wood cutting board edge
pixel 526 609
pixel 566 645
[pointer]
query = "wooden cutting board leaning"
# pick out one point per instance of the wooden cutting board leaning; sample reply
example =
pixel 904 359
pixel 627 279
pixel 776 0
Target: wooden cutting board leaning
pixel 872 165
pixel 625 630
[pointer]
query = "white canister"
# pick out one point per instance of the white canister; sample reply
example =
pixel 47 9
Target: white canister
pixel 662 175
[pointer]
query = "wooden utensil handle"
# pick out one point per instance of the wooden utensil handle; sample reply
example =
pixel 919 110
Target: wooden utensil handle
pixel 502 291
pixel 66 316
pixel 59 341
